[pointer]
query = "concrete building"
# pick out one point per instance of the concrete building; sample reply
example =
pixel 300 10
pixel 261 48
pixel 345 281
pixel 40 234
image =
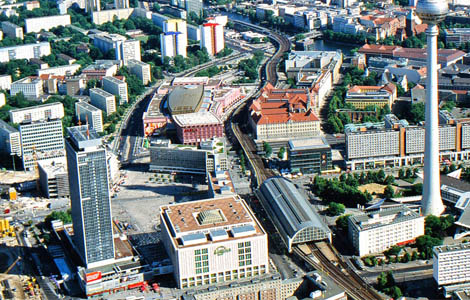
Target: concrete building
pixel 291 213
pixel 46 23
pixel 10 141
pixel 41 140
pixel 75 85
pixel 451 266
pixel 208 157
pixel 3 99
pixel 378 231
pixel 154 118
pixel 141 70
pixel 54 179
pixel 92 6
pixel 212 38
pixel 307 62
pixel 124 49
pixel 362 96
pixel 108 15
pixel 31 88
pixel 12 30
pixel 399 144
pixel 283 114
pixel 308 156
pixel 103 100
pixel 87 112
pixel 214 240
pixel 457 36
pixel 194 128
pixel 121 4
pixel 5 82
pixel 116 87
pixel 26 51
pixel 174 38
pixel 193 6
pixel 37 113
pixel 89 191
pixel 194 33
pixel 66 70
pixel 100 69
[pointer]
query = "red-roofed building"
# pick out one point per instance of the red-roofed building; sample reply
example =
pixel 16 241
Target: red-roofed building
pixel 283 113
pixel 445 57
pixel 363 96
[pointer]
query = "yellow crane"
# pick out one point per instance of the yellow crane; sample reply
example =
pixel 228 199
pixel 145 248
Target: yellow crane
pixel 12 265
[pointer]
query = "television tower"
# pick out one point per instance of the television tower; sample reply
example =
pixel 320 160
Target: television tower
pixel 432 12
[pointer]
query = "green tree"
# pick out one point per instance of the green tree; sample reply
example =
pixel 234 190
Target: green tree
pixel 389 192
pixel 267 149
pixel 335 209
pixel 281 153
pixel 342 222
pixel 417 113
pixel 64 216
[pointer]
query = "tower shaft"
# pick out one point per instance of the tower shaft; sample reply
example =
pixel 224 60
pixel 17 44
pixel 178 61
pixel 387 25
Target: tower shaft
pixel 432 201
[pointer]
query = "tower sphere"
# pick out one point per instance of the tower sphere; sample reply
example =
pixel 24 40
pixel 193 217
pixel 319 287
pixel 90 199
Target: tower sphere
pixel 431 11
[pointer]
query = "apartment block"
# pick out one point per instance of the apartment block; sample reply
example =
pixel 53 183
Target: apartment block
pixel 26 51
pixel 457 36
pixel 174 38
pixel 123 49
pixel 12 30
pixel 141 70
pixel 37 113
pixel 46 23
pixel 399 144
pixel 377 231
pixel 116 87
pixel 31 88
pixel 451 264
pixel 86 112
pixel 42 140
pixel 10 142
pixel 5 82
pixel 103 100
pixel 212 37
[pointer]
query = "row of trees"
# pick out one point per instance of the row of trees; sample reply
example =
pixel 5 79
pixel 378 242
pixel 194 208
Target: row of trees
pixel 343 193
pixel 386 284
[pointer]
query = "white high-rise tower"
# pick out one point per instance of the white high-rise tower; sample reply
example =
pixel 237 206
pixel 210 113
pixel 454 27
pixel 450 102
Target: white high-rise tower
pixel 432 12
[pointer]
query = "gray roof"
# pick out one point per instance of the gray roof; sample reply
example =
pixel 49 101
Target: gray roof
pixel 373 219
pixel 5 126
pixel 455 183
pixel 187 97
pixel 83 137
pixel 285 204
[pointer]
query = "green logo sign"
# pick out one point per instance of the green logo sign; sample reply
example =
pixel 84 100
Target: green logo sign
pixel 221 250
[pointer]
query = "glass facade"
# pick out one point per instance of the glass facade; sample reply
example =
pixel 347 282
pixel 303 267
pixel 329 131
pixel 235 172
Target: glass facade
pixel 310 161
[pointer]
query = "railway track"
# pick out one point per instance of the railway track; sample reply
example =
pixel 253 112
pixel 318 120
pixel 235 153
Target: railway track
pixel 271 66
pixel 355 287
pixel 249 147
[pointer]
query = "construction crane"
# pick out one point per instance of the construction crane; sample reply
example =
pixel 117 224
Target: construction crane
pixel 36 168
pixel 12 265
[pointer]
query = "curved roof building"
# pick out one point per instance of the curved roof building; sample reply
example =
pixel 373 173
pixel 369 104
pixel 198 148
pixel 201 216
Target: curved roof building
pixel 291 213
pixel 185 99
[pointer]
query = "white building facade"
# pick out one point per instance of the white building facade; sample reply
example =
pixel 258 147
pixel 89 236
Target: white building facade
pixel 378 231
pixel 208 244
pixel 27 51
pixel 37 113
pixel 103 100
pixel 451 264
pixel 87 112
pixel 46 23
pixel 116 87
pixel 212 38
pixel 141 70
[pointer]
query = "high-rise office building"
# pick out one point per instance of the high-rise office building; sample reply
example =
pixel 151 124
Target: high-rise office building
pixel 89 192
pixel 92 5
pixel 193 6
pixel 212 38
pixel 121 3
pixel 141 70
pixel 431 12
pixel 87 112
pixel 103 100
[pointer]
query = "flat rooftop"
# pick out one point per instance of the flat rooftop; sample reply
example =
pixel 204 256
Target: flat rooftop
pixel 223 218
pixel 309 143
pixel 83 137
pixel 6 127
pixel 42 106
pixel 57 166
pixel 197 118
pixel 452 248
pixel 88 106
pixel 113 80
pixel 383 217
pixel 190 80
pixel 101 92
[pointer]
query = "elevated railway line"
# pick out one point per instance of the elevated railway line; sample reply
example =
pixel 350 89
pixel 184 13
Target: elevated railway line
pixel 319 255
